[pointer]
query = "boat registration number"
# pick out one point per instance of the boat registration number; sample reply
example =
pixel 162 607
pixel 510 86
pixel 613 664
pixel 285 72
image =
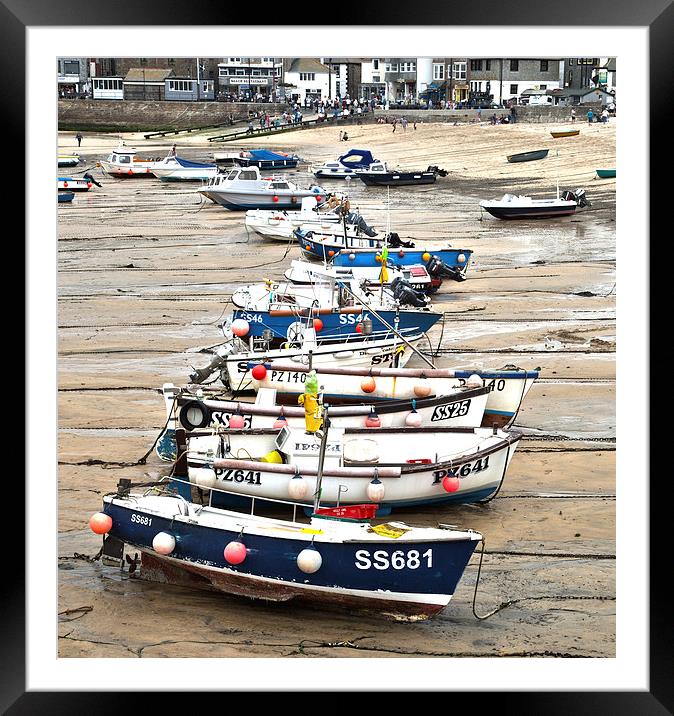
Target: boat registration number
pixel 281 376
pixel 400 559
pixel 452 410
pixel 466 469
pixel 238 476
pixel 141 519
pixel 490 386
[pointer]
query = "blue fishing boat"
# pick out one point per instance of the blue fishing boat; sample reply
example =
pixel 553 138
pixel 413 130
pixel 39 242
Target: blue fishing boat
pixel 65 196
pixel 362 251
pixel 266 159
pixel 348 165
pixel 337 559
pixel 337 309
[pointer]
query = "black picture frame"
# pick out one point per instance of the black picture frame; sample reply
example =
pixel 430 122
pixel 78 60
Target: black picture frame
pixel 657 15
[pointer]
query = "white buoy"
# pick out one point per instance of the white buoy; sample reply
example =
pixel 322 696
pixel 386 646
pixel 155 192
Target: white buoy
pixel 309 561
pixel 163 543
pixel 376 490
pixel 474 381
pixel 297 487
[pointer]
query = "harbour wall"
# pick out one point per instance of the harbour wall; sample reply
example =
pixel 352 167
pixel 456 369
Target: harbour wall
pixel 144 116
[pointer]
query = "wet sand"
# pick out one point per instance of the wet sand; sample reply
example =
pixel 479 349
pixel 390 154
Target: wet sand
pixel 145 272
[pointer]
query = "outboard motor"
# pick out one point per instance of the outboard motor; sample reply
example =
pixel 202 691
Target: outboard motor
pixel 219 359
pixel 581 198
pixel 437 268
pixel 568 196
pixel 406 295
pixel 355 219
pixel 395 242
pixel 437 170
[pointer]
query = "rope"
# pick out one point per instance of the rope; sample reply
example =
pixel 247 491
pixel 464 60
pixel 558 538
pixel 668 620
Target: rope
pixel 503 605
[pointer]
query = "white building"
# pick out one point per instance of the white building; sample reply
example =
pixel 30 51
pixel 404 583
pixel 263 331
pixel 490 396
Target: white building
pixel 307 77
pixel 372 82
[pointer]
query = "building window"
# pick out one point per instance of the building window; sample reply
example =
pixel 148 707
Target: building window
pixel 375 64
pixel 376 78
pixel 487 64
pixel 544 65
pixel 543 87
pixel 438 72
pixel 180 86
pixel 71 67
pixel 514 65
pixel 460 70
pixel 513 89
pixel 143 61
pixel 308 76
pixel 476 65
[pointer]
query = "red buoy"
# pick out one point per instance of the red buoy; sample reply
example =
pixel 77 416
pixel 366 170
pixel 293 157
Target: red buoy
pixel 259 372
pixel 100 523
pixel 451 484
pixel 318 325
pixel 235 552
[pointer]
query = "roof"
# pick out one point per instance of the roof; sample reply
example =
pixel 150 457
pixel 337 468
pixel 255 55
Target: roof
pixel 609 65
pixel 147 74
pixel 308 64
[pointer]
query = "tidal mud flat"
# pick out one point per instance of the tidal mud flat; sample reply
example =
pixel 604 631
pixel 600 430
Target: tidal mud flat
pixel 146 269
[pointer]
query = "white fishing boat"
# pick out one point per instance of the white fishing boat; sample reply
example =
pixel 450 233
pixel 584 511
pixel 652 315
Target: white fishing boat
pixel 507 387
pixel 194 409
pixel 245 188
pixel 74 183
pixel 525 207
pixel 122 162
pixel 304 273
pixel 279 224
pixel 226 159
pixel 394 467
pixel 233 361
pixel 175 168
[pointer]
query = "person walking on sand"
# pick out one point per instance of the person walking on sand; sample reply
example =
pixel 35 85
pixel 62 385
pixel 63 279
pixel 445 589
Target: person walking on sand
pixel 394 125
pixel 590 115
pixel 573 115
pixel 79 139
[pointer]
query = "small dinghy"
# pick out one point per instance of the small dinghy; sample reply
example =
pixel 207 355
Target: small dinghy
pixel 337 559
pixel 68 160
pixel 345 384
pixel 65 197
pixel 528 156
pixel 74 184
pixel 245 188
pixel 565 133
pixel 226 159
pixel 400 177
pixel 524 207
pixel 605 173
pixel 266 159
pixel 349 165
pixel 175 168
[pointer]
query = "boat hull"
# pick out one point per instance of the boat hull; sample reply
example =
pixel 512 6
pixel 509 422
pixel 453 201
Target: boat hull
pixel 530 212
pixel 605 173
pixel 528 156
pixel 65 197
pixel 240 201
pixel 336 326
pixel 568 133
pixel 405 578
pixel 507 388
pixel 456 259
pixel 476 458
pixel 397 178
